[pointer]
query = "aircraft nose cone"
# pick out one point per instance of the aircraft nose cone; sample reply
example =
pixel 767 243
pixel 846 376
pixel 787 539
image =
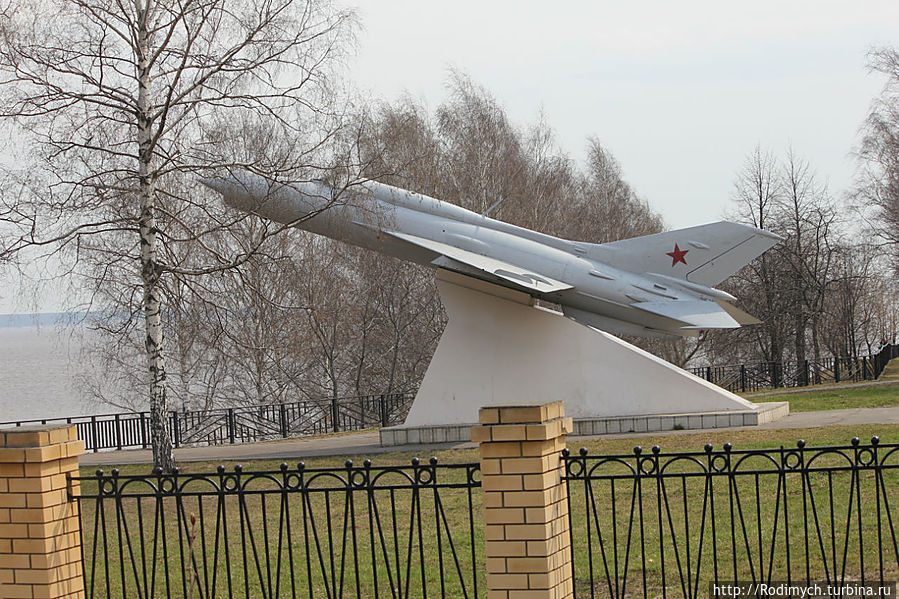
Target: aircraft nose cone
pixel 244 193
pixel 214 184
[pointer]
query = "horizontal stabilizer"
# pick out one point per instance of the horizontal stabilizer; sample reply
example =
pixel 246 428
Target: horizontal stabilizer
pixel 504 270
pixel 620 327
pixel 697 314
pixel 739 315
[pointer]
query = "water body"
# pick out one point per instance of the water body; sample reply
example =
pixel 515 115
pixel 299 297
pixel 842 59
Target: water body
pixel 39 361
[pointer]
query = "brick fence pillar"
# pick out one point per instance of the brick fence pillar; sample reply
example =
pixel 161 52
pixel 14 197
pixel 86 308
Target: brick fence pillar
pixel 525 501
pixel 40 545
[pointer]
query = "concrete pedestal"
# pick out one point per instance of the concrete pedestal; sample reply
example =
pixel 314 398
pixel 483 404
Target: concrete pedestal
pixel 613 425
pixel 499 347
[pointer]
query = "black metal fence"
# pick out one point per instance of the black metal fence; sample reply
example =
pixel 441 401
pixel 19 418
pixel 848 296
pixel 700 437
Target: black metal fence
pixel 239 425
pixel 360 531
pixel 741 378
pixel 669 524
pixel 312 417
pixel 648 524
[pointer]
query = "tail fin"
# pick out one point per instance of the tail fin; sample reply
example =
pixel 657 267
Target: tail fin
pixel 706 254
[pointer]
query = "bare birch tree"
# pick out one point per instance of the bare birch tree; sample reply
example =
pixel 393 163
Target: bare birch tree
pixel 879 175
pixel 762 284
pixel 120 101
pixel 609 208
pixel 808 220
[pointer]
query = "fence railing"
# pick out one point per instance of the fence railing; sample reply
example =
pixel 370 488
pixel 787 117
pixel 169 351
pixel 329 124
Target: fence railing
pixel 669 524
pixel 313 417
pixel 741 378
pixel 641 524
pixel 238 425
pixel 359 531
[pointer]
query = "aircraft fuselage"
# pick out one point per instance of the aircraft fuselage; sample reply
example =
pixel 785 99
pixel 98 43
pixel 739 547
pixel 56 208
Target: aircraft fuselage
pixel 438 234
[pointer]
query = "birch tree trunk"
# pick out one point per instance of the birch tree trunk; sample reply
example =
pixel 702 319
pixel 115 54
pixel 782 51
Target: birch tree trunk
pixel 163 456
pixel 124 106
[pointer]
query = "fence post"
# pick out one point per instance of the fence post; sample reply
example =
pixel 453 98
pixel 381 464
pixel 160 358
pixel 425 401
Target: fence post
pixel 382 405
pixel 743 378
pixel 40 540
pixel 864 368
pixel 144 431
pixel 176 432
pixel 231 425
pixel 805 377
pixel 283 418
pixel 95 435
pixel 335 414
pixel 118 432
pixel 836 369
pixel 527 540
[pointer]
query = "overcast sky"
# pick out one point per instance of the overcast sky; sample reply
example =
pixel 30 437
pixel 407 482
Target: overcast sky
pixel 680 92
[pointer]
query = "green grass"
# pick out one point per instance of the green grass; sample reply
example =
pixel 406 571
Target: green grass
pixel 837 398
pixel 262 543
pixel 319 524
pixel 891 371
pixel 682 441
pixel 751 534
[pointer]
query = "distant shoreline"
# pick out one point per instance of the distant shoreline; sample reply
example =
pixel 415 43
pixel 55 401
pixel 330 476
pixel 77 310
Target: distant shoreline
pixel 41 319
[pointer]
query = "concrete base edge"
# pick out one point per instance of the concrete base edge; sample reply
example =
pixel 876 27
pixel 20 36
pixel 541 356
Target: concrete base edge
pixel 456 433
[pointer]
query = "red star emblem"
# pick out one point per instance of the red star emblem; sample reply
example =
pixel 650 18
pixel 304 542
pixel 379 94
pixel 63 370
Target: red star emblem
pixel 677 256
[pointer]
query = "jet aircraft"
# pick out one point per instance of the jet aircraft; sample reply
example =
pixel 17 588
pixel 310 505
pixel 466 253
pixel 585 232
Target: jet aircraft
pixel 659 285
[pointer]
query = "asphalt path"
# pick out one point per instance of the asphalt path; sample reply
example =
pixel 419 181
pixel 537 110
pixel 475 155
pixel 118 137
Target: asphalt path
pixel 366 443
pixel 834 387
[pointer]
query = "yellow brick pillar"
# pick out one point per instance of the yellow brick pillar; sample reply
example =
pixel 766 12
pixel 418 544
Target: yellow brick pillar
pixel 40 544
pixel 525 501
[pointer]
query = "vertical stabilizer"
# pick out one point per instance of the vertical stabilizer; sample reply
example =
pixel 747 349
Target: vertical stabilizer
pixel 706 254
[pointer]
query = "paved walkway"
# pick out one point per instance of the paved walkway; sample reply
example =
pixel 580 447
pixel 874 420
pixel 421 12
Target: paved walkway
pixel 366 443
pixel 349 444
pixel 848 416
pixel 834 387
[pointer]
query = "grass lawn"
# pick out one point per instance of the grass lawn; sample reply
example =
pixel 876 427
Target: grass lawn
pixel 680 441
pixel 769 524
pixel 280 544
pixel 836 397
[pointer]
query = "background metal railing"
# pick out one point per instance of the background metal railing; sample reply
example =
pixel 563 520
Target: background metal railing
pixel 239 425
pixel 754 376
pixel 668 524
pixel 319 416
pixel 359 531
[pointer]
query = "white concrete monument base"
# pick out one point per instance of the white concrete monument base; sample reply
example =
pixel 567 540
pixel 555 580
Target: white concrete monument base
pixel 500 348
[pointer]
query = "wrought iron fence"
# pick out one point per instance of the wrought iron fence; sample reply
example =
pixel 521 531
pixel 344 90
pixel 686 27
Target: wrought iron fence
pixel 239 425
pixel 669 524
pixel 360 531
pixel 740 378
pixel 642 524
pixel 311 417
